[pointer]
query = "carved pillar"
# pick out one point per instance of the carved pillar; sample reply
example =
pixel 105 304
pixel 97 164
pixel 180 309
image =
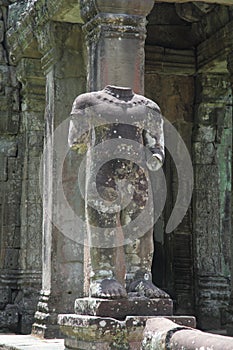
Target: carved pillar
pixel 30 75
pixel 62 280
pixel 115 34
pixel 211 197
pixel 230 325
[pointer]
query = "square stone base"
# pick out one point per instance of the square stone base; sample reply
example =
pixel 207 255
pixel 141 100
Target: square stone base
pixel 104 333
pixel 120 308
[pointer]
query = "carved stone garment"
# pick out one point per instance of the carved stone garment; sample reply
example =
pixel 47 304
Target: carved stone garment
pixel 115 105
pixel 123 133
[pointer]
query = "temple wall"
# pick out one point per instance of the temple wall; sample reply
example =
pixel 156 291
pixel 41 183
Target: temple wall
pixel 12 147
pixel 175 96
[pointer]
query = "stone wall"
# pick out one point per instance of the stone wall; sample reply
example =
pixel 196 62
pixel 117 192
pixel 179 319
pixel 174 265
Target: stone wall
pixel 193 89
pixel 193 263
pixel 212 153
pixel 11 163
pixel 22 104
pixel 173 263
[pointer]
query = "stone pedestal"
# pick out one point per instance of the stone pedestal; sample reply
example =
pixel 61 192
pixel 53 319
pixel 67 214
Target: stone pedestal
pixel 84 332
pixel 103 324
pixel 121 308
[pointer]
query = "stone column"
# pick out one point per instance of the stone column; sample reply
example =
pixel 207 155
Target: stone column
pixel 211 197
pixel 115 35
pixel 30 74
pixel 230 325
pixel 62 270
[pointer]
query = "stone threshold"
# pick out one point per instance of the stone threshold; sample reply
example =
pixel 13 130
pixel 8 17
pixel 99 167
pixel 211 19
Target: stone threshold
pixel 29 342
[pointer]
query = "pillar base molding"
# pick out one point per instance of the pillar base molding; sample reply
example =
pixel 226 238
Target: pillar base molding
pixel 45 325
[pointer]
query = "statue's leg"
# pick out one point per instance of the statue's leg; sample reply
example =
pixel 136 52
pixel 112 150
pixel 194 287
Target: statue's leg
pixel 103 257
pixel 139 254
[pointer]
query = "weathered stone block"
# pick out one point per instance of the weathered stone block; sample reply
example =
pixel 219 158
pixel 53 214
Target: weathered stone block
pixel 202 179
pixel 9 318
pixel 34 214
pixel 11 258
pixel 209 113
pixel 14 80
pixel 26 322
pixel 14 168
pixel 5 296
pixel 3 167
pixel 15 104
pixel 35 140
pixel 11 236
pixel 84 332
pixel 204 133
pixel 34 167
pixel 97 330
pixel 204 153
pixel 173 94
pixel 119 309
pixel 8 148
pixel 13 124
pixel 212 88
pixel 71 275
pixel 11 215
pixel 34 191
pixel 4 76
pixel 1 31
pixel 2 55
pixel 9 124
pixel 70 251
pixel 35 121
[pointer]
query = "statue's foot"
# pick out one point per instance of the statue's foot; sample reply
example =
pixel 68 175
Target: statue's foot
pixel 107 289
pixel 147 289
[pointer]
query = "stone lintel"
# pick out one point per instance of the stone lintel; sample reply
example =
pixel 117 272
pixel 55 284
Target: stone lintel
pixel 65 11
pixel 22 39
pixel 22 42
pixel 169 61
pixel 212 53
pixel 121 308
pixel 85 332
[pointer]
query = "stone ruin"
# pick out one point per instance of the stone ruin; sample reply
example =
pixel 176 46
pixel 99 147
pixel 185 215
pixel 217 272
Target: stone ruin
pixel 188 72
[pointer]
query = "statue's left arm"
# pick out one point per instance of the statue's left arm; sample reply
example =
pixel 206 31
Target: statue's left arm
pixel 153 136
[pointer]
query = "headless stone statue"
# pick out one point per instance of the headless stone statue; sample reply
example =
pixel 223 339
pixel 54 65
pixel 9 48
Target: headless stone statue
pixel 120 249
